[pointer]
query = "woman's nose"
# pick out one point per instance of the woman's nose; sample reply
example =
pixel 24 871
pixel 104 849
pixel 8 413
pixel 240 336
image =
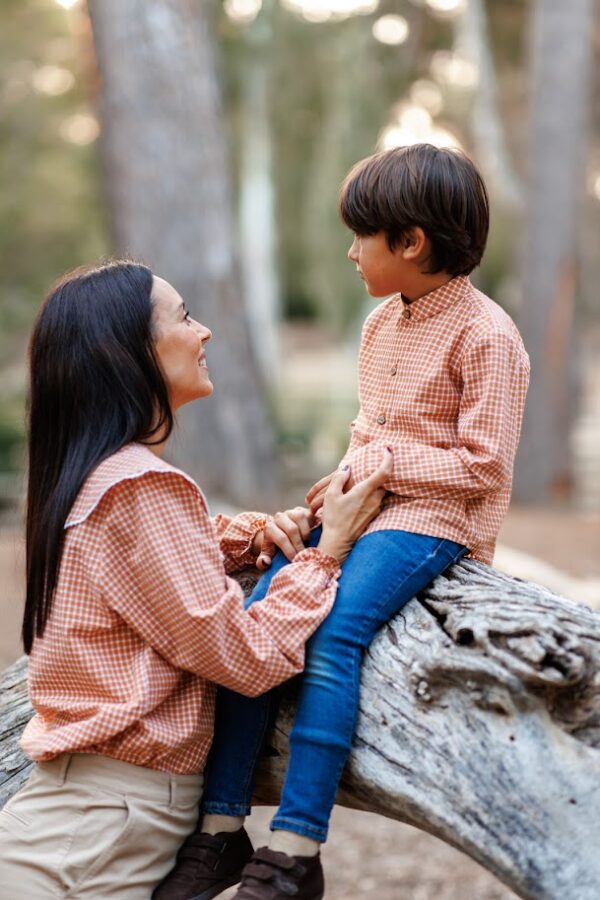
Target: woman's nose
pixel 204 332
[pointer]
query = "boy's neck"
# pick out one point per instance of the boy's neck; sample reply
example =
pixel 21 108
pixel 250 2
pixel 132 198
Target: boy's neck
pixel 421 284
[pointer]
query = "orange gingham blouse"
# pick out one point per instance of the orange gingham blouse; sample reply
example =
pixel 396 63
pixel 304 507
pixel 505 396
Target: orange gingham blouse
pixel 145 620
pixel 443 381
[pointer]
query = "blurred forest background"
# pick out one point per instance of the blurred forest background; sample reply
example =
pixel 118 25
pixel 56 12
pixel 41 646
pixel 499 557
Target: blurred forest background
pixel 210 139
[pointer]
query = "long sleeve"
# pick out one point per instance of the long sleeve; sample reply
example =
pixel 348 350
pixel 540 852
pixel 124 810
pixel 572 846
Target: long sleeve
pixel 178 598
pixel 494 376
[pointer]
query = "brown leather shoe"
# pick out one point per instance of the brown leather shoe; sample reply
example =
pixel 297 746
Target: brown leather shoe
pixel 206 865
pixel 271 875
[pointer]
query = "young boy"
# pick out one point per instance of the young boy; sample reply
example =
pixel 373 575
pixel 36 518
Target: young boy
pixel 442 381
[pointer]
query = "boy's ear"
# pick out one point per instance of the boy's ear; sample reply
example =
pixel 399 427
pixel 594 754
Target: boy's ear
pixel 413 242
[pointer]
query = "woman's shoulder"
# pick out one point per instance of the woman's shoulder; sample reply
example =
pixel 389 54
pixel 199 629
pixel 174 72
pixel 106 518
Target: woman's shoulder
pixel 134 462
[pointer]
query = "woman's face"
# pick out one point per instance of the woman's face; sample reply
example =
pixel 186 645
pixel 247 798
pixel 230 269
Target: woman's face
pixel 179 343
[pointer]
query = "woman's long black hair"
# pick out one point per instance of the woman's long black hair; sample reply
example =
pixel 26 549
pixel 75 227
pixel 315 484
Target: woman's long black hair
pixel 96 385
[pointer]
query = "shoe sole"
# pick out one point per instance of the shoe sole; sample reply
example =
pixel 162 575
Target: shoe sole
pixel 217 889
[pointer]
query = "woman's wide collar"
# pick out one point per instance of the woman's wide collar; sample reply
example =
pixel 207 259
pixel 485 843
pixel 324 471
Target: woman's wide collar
pixel 131 461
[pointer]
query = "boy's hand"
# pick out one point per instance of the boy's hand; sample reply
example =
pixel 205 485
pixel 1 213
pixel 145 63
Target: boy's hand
pixel 316 495
pixel 287 530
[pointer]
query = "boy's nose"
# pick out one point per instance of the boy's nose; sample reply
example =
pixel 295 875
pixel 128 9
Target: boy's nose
pixel 353 252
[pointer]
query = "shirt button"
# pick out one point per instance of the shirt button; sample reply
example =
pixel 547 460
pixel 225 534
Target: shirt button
pixel 406 313
pixel 381 419
pixel 393 370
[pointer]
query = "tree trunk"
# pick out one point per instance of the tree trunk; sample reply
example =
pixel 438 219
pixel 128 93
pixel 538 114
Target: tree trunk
pixel 561 35
pixel 479 722
pixel 168 184
pixel 257 201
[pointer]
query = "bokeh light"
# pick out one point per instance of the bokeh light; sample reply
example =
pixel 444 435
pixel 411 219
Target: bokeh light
pixel 391 29
pixel 52 80
pixel 242 11
pixel 413 124
pixel 80 129
pixel 428 94
pixel 446 7
pixel 324 10
pixel 451 68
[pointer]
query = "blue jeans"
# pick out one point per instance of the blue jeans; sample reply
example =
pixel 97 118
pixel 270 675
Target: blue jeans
pixel 384 571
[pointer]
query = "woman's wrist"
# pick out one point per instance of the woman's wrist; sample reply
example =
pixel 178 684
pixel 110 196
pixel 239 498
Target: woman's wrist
pixel 334 545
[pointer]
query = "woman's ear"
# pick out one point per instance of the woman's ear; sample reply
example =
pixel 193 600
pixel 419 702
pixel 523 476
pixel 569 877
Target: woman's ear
pixel 414 243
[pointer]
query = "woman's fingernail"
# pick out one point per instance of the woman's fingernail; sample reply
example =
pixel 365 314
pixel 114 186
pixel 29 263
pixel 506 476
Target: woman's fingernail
pixel 389 449
pixel 345 468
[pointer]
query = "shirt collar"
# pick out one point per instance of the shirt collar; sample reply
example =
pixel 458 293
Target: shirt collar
pixel 131 461
pixel 435 301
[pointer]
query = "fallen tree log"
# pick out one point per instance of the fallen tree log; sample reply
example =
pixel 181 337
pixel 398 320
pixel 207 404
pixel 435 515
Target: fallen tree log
pixel 479 723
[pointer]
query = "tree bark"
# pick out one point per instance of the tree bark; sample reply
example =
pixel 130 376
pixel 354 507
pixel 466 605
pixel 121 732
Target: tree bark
pixel 167 180
pixel 479 723
pixel 561 73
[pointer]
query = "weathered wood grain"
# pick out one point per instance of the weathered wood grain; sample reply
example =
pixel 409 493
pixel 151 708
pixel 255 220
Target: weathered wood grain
pixel 479 722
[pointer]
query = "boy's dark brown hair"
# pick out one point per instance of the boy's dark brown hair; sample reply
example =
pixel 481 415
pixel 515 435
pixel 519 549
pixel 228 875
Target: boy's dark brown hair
pixel 439 190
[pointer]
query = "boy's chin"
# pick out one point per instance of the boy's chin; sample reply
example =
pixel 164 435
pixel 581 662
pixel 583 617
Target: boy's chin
pixel 378 295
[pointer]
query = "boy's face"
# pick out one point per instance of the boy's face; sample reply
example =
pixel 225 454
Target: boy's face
pixel 383 271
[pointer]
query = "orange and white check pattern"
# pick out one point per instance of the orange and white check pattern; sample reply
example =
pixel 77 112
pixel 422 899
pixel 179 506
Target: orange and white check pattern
pixel 442 380
pixel 145 620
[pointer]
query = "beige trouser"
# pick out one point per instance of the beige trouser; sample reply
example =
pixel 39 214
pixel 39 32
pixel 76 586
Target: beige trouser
pixel 88 826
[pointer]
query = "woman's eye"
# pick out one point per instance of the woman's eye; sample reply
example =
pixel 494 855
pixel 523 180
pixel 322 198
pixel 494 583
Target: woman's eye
pixel 187 318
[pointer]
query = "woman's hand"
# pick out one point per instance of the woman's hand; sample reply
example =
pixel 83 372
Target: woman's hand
pixel 345 516
pixel 287 530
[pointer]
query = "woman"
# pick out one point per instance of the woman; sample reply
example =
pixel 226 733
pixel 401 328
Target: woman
pixel 130 618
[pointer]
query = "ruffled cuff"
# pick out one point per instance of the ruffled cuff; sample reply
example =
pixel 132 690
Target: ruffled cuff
pixel 236 537
pixel 328 563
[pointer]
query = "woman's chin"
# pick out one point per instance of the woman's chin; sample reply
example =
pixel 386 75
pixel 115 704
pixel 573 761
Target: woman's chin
pixel 206 388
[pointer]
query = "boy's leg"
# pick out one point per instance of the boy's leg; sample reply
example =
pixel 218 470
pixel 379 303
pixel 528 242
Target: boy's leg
pixel 384 570
pixel 241 724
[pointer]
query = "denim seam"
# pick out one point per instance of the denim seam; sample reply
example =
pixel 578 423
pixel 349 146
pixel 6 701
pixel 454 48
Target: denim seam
pixel 298 828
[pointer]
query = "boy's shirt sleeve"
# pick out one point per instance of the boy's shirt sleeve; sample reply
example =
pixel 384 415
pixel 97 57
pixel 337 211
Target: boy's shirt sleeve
pixel 495 376
pixel 236 535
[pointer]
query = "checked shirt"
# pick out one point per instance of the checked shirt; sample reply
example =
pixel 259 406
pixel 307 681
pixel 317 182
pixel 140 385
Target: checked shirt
pixel 145 620
pixel 442 380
